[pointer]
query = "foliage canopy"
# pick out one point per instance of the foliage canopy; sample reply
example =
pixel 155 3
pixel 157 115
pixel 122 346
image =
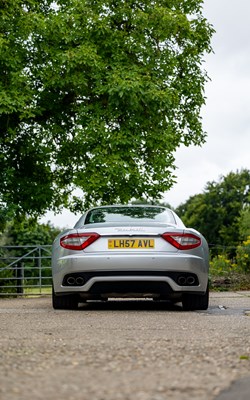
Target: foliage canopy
pixel 221 212
pixel 97 95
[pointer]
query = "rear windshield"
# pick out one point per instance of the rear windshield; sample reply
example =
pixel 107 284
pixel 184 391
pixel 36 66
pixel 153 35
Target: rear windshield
pixel 129 214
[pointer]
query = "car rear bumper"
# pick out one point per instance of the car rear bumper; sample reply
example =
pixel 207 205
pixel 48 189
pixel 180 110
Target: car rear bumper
pixel 130 275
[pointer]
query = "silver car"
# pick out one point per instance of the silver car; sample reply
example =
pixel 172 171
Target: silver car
pixel 130 251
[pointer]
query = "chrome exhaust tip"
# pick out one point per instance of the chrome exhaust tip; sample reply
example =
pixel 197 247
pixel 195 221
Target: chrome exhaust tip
pixel 71 281
pixel 181 281
pixel 190 280
pixel 79 281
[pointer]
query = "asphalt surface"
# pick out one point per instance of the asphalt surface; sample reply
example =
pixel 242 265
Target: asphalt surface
pixel 125 350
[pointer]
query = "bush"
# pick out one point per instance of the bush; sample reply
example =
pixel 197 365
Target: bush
pixel 221 266
pixel 231 274
pixel 243 256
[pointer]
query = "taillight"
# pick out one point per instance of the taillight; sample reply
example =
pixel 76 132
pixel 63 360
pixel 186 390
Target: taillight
pixel 182 241
pixel 78 241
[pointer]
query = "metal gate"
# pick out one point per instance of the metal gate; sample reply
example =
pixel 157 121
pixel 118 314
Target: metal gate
pixel 25 270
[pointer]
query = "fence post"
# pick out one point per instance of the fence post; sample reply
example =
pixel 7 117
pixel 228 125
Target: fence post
pixel 40 268
pixel 19 277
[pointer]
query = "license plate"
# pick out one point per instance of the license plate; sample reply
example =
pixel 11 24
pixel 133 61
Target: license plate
pixel 131 243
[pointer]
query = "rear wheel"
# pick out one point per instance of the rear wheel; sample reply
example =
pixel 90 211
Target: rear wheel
pixel 64 302
pixel 192 302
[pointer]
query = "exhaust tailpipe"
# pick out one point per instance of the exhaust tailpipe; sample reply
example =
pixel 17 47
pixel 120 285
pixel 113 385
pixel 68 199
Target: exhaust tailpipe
pixel 79 281
pixel 71 281
pixel 190 280
pixel 181 281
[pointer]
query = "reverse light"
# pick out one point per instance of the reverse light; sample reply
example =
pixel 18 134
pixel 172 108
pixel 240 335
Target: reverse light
pixel 78 241
pixel 182 241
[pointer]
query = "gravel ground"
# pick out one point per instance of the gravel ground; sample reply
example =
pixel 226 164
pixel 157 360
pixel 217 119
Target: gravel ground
pixel 123 350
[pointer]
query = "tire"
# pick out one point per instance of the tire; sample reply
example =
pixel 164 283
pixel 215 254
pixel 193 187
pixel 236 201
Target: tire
pixel 64 302
pixel 191 302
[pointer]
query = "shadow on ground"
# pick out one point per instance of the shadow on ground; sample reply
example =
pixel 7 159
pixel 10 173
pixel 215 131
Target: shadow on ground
pixel 133 305
pixel 238 390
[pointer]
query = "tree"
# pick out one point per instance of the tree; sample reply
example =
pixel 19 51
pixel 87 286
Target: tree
pixel 216 212
pixel 26 173
pixel 29 232
pixel 97 95
pixel 244 222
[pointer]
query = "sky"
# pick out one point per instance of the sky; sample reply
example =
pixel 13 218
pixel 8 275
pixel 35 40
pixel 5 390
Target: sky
pixel 226 115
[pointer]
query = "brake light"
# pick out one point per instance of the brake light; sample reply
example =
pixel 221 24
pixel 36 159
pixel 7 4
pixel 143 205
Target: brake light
pixel 78 241
pixel 182 241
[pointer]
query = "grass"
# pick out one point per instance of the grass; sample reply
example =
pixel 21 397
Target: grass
pixel 37 291
pixel 244 357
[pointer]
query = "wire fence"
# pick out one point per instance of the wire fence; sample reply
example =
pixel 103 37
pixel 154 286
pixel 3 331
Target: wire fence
pixel 25 270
